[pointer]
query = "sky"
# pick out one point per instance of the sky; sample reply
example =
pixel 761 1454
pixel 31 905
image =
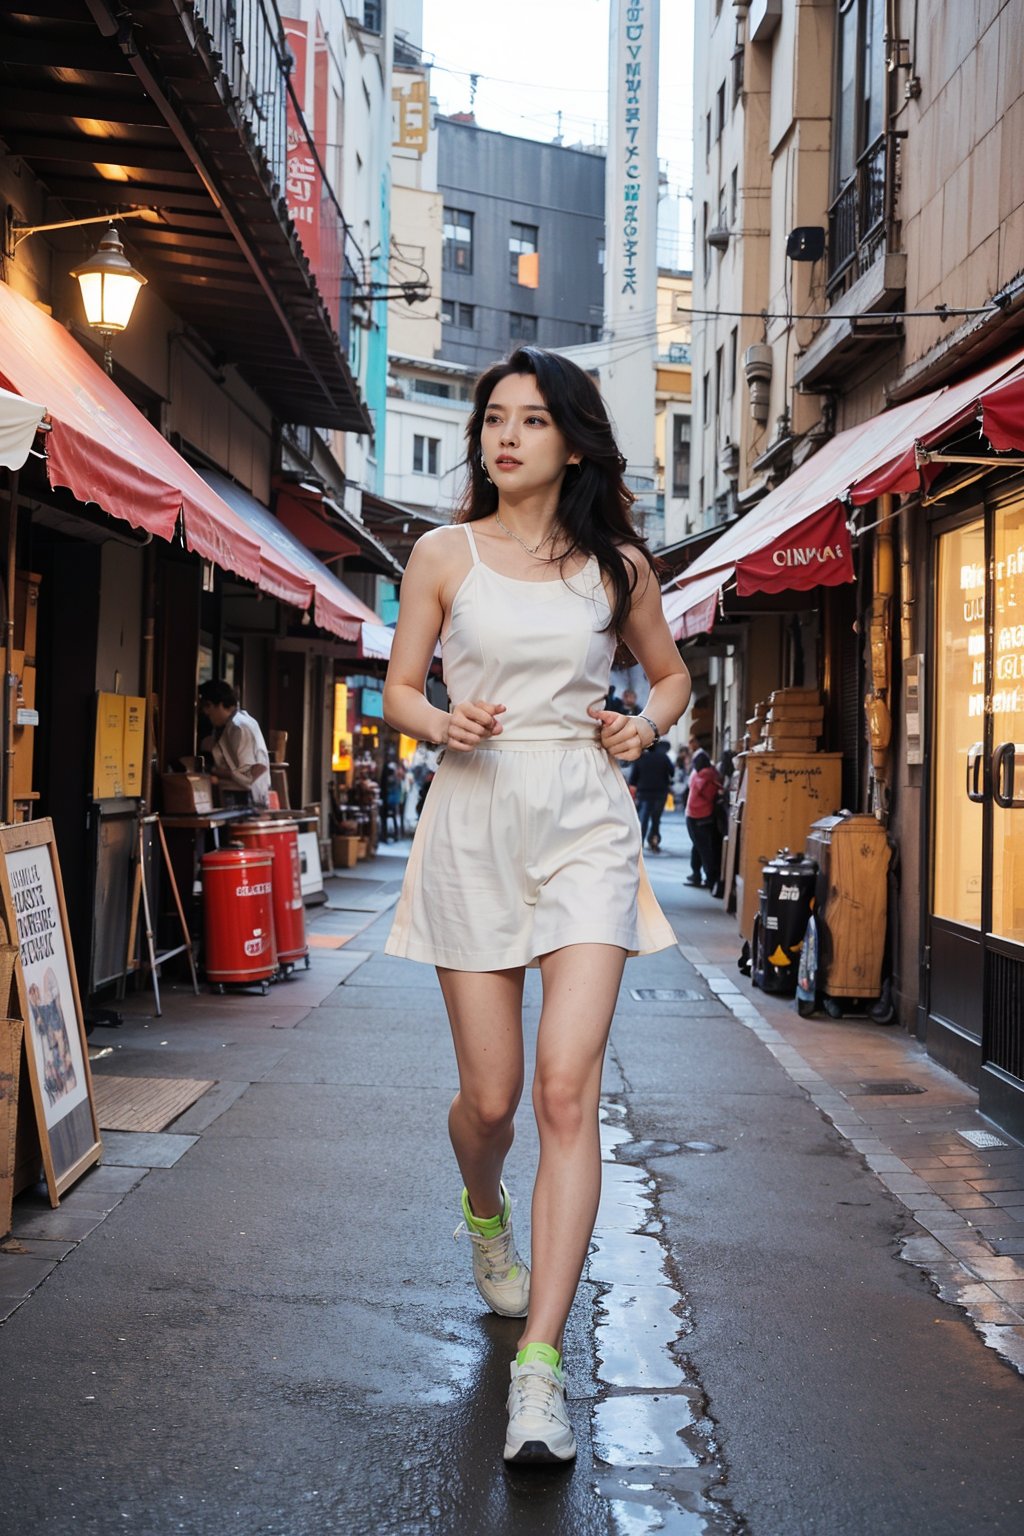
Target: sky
pixel 536 58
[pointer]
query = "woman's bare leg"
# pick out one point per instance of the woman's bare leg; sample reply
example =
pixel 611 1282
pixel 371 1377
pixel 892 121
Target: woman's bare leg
pixel 581 985
pixel 485 1010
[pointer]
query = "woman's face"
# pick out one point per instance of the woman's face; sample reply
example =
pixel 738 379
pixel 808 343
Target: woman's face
pixel 522 449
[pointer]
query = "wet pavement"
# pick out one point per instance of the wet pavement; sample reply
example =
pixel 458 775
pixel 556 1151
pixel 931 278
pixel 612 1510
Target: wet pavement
pixel 257 1322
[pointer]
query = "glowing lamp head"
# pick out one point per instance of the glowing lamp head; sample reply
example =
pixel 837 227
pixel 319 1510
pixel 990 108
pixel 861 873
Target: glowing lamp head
pixel 110 285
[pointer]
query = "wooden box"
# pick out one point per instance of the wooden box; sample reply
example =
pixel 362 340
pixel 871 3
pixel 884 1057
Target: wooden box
pixel 852 854
pixel 782 794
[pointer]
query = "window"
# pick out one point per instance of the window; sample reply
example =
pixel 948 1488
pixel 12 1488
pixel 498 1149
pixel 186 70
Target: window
pixel 707 136
pixel 718 382
pixel 457 251
pixel 706 400
pixel 734 346
pixel 425 454
pixel 433 387
pixel 734 196
pixel 720 111
pixel 371 15
pixel 522 241
pixel 461 315
pixel 522 327
pixel 861 175
pixel 680 456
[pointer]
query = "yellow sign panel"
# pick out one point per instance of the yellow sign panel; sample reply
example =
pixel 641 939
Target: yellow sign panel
pixel 120 746
pixel 410 111
pixel 341 741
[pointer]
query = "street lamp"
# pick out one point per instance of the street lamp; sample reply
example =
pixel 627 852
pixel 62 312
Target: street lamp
pixel 110 285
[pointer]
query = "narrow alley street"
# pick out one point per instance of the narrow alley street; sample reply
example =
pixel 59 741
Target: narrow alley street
pixel 257 1321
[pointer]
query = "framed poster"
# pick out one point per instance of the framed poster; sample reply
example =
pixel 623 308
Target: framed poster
pixel 58 1061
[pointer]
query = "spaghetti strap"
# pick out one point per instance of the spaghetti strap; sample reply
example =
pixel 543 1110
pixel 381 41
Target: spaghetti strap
pixel 472 544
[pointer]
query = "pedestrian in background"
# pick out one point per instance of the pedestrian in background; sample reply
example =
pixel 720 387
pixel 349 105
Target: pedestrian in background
pixel 528 851
pixel 651 777
pixel 704 789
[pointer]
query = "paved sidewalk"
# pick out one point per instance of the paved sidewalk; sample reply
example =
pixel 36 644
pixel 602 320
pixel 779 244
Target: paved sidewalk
pixel 960 1177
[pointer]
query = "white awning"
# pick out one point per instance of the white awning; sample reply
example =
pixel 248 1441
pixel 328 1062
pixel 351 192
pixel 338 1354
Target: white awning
pixel 19 423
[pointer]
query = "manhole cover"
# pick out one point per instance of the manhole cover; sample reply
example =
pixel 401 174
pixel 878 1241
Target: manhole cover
pixel 884 1089
pixel 982 1139
pixel 665 995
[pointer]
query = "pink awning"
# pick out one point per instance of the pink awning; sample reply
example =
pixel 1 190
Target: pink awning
pixel 797 537
pixel 104 450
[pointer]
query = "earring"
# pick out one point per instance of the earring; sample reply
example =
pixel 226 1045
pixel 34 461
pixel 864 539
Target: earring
pixel 483 466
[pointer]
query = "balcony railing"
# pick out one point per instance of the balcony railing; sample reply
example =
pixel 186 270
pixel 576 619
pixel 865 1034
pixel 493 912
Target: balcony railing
pixel 254 58
pixel 253 53
pixel 862 221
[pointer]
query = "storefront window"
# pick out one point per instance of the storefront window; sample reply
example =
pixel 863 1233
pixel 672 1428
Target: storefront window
pixel 959 724
pixel 1008 721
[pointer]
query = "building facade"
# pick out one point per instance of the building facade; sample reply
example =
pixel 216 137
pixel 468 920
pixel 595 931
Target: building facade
pixel 523 243
pixel 859 235
pixel 199 526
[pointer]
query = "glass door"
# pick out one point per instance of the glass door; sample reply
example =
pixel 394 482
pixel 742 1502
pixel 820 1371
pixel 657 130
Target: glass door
pixel 1002 1085
pixel 976 924
pixel 958 762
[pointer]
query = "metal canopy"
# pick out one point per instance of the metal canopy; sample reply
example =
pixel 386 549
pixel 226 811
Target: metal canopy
pixel 136 111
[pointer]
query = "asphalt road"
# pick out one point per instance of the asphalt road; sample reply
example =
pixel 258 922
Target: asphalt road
pixel 277 1335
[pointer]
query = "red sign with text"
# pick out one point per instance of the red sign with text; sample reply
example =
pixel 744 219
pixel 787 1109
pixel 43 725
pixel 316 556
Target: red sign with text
pixel 816 553
pixel 303 186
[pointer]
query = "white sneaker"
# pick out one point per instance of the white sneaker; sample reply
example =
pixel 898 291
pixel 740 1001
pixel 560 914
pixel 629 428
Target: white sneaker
pixel 538 1424
pixel 502 1278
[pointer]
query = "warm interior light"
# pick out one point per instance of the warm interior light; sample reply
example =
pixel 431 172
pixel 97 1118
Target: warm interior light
pixel 110 285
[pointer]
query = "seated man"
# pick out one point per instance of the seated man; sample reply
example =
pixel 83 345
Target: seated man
pixel 241 762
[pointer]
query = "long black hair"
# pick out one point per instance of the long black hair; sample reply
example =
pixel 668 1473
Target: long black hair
pixel 594 503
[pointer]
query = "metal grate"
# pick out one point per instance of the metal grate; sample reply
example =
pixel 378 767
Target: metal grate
pixel 665 995
pixel 982 1139
pixel 1005 1009
pixel 884 1089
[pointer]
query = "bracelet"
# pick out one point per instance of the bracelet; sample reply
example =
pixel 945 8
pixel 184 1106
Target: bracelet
pixel 657 734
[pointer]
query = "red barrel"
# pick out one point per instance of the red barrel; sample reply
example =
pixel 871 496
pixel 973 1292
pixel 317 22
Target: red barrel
pixel 281 840
pixel 238 909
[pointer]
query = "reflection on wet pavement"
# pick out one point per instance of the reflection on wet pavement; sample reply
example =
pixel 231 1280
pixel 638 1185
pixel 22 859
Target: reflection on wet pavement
pixel 650 1416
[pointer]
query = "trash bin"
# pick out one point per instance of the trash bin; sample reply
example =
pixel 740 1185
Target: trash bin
pixel 238 917
pixel 786 903
pixel 281 840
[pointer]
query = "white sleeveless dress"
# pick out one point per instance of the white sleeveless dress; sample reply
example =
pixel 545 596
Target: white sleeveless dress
pixel 531 841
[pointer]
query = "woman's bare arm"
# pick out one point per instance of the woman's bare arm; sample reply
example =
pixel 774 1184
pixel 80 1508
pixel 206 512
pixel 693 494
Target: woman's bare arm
pixel 647 634
pixel 420 617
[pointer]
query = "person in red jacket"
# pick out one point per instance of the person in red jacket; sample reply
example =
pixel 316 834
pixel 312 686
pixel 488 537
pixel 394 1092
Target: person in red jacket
pixel 705 785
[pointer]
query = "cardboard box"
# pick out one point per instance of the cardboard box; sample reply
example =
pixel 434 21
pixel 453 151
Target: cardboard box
pixel 186 794
pixel 344 851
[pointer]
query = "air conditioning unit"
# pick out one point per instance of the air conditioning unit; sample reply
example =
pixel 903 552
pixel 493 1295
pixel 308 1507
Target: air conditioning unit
pixel 718 237
pixel 729 460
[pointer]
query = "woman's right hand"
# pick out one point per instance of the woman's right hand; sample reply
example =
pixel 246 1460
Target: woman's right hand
pixel 470 724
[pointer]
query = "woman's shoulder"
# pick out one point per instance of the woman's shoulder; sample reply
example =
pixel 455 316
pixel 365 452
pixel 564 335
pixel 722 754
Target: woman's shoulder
pixel 434 551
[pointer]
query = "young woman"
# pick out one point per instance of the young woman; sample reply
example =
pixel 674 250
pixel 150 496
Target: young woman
pixel 528 850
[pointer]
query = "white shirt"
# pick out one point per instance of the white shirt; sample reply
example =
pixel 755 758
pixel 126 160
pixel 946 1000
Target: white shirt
pixel 240 749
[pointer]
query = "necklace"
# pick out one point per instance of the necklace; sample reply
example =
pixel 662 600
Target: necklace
pixel 522 542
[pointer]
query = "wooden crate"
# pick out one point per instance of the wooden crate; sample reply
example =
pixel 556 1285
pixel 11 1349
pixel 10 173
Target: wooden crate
pixel 852 853
pixel 782 793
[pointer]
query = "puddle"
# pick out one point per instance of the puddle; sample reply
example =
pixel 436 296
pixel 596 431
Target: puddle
pixel 634 1340
pixel 644 1431
pixel 653 1419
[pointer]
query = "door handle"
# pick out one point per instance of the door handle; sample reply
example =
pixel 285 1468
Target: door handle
pixel 974 762
pixel 1003 761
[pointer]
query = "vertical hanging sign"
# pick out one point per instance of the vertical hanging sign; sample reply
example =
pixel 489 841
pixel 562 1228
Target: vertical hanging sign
pixel 303 174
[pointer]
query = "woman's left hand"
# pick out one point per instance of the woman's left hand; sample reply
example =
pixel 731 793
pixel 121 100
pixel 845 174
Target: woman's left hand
pixel 623 737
